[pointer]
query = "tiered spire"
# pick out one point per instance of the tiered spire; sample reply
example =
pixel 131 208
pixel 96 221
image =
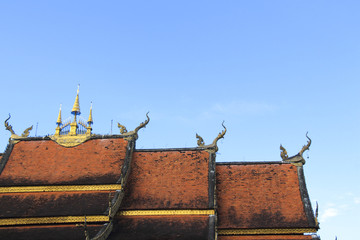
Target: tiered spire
pixel 75 123
pixel 76 108
pixel 90 121
pixel 58 122
pixel 76 111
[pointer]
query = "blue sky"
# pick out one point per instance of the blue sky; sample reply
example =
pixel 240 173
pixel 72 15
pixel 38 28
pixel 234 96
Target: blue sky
pixel 273 70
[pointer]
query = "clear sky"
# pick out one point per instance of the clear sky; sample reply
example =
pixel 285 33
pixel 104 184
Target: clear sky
pixel 273 70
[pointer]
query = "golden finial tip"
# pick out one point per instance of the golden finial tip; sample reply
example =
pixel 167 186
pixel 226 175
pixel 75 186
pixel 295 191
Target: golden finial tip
pixel 90 120
pixel 58 122
pixel 76 108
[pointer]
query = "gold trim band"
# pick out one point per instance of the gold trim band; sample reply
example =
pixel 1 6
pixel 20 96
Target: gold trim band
pixel 164 212
pixel 50 220
pixel 265 231
pixel 64 188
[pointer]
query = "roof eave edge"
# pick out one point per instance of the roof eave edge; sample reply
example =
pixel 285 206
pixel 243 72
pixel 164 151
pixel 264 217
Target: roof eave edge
pixel 305 198
pixel 6 156
pixel 115 203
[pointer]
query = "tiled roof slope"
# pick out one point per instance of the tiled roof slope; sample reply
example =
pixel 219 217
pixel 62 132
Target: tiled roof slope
pixel 48 232
pixel 262 195
pixel 168 180
pixel 162 227
pixel 43 162
pixel 163 180
pixel 75 183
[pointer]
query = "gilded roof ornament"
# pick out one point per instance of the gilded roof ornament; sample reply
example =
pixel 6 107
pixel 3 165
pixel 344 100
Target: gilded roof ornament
pixel 72 133
pixel 90 120
pixel 213 146
pixel 58 121
pixel 14 136
pixel 76 107
pixel 297 159
pixel 133 134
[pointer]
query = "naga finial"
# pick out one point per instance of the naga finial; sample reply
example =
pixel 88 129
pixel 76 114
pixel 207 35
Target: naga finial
pixel 200 141
pixel 221 134
pixel 8 126
pixel 143 124
pixel 305 147
pixel 27 132
pixel 211 147
pixel 133 134
pixel 122 128
pixel 13 135
pixel 283 153
pixel 297 159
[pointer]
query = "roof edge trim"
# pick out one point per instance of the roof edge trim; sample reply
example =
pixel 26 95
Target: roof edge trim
pixel 5 156
pixel 60 188
pixel 305 198
pixel 170 149
pixel 104 232
pixel 115 203
pixel 165 212
pixel 258 231
pixel 52 220
pixel 251 163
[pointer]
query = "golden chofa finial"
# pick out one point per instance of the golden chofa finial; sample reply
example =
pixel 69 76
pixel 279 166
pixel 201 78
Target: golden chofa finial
pixel 212 148
pixel 133 134
pixel 13 136
pixel 297 159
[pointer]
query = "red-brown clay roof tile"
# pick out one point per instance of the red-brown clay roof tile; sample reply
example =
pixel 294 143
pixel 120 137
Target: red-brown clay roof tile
pixel 97 161
pixel 49 232
pixel 161 227
pixel 168 180
pixel 259 196
pixel 21 205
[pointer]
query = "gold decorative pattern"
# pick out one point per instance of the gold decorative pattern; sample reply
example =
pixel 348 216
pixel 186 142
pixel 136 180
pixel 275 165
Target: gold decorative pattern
pixel 164 212
pixel 65 188
pixel 51 220
pixel 256 231
pixel 213 146
pixel 70 141
pixel 297 159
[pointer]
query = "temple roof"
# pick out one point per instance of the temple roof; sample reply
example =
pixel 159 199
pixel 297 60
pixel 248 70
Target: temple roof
pixel 44 185
pixel 78 185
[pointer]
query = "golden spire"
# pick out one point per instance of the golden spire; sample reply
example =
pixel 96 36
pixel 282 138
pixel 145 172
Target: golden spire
pixel 76 111
pixel 58 122
pixel 90 120
pixel 76 108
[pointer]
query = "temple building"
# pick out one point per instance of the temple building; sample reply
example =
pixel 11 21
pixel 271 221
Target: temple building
pixel 75 184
